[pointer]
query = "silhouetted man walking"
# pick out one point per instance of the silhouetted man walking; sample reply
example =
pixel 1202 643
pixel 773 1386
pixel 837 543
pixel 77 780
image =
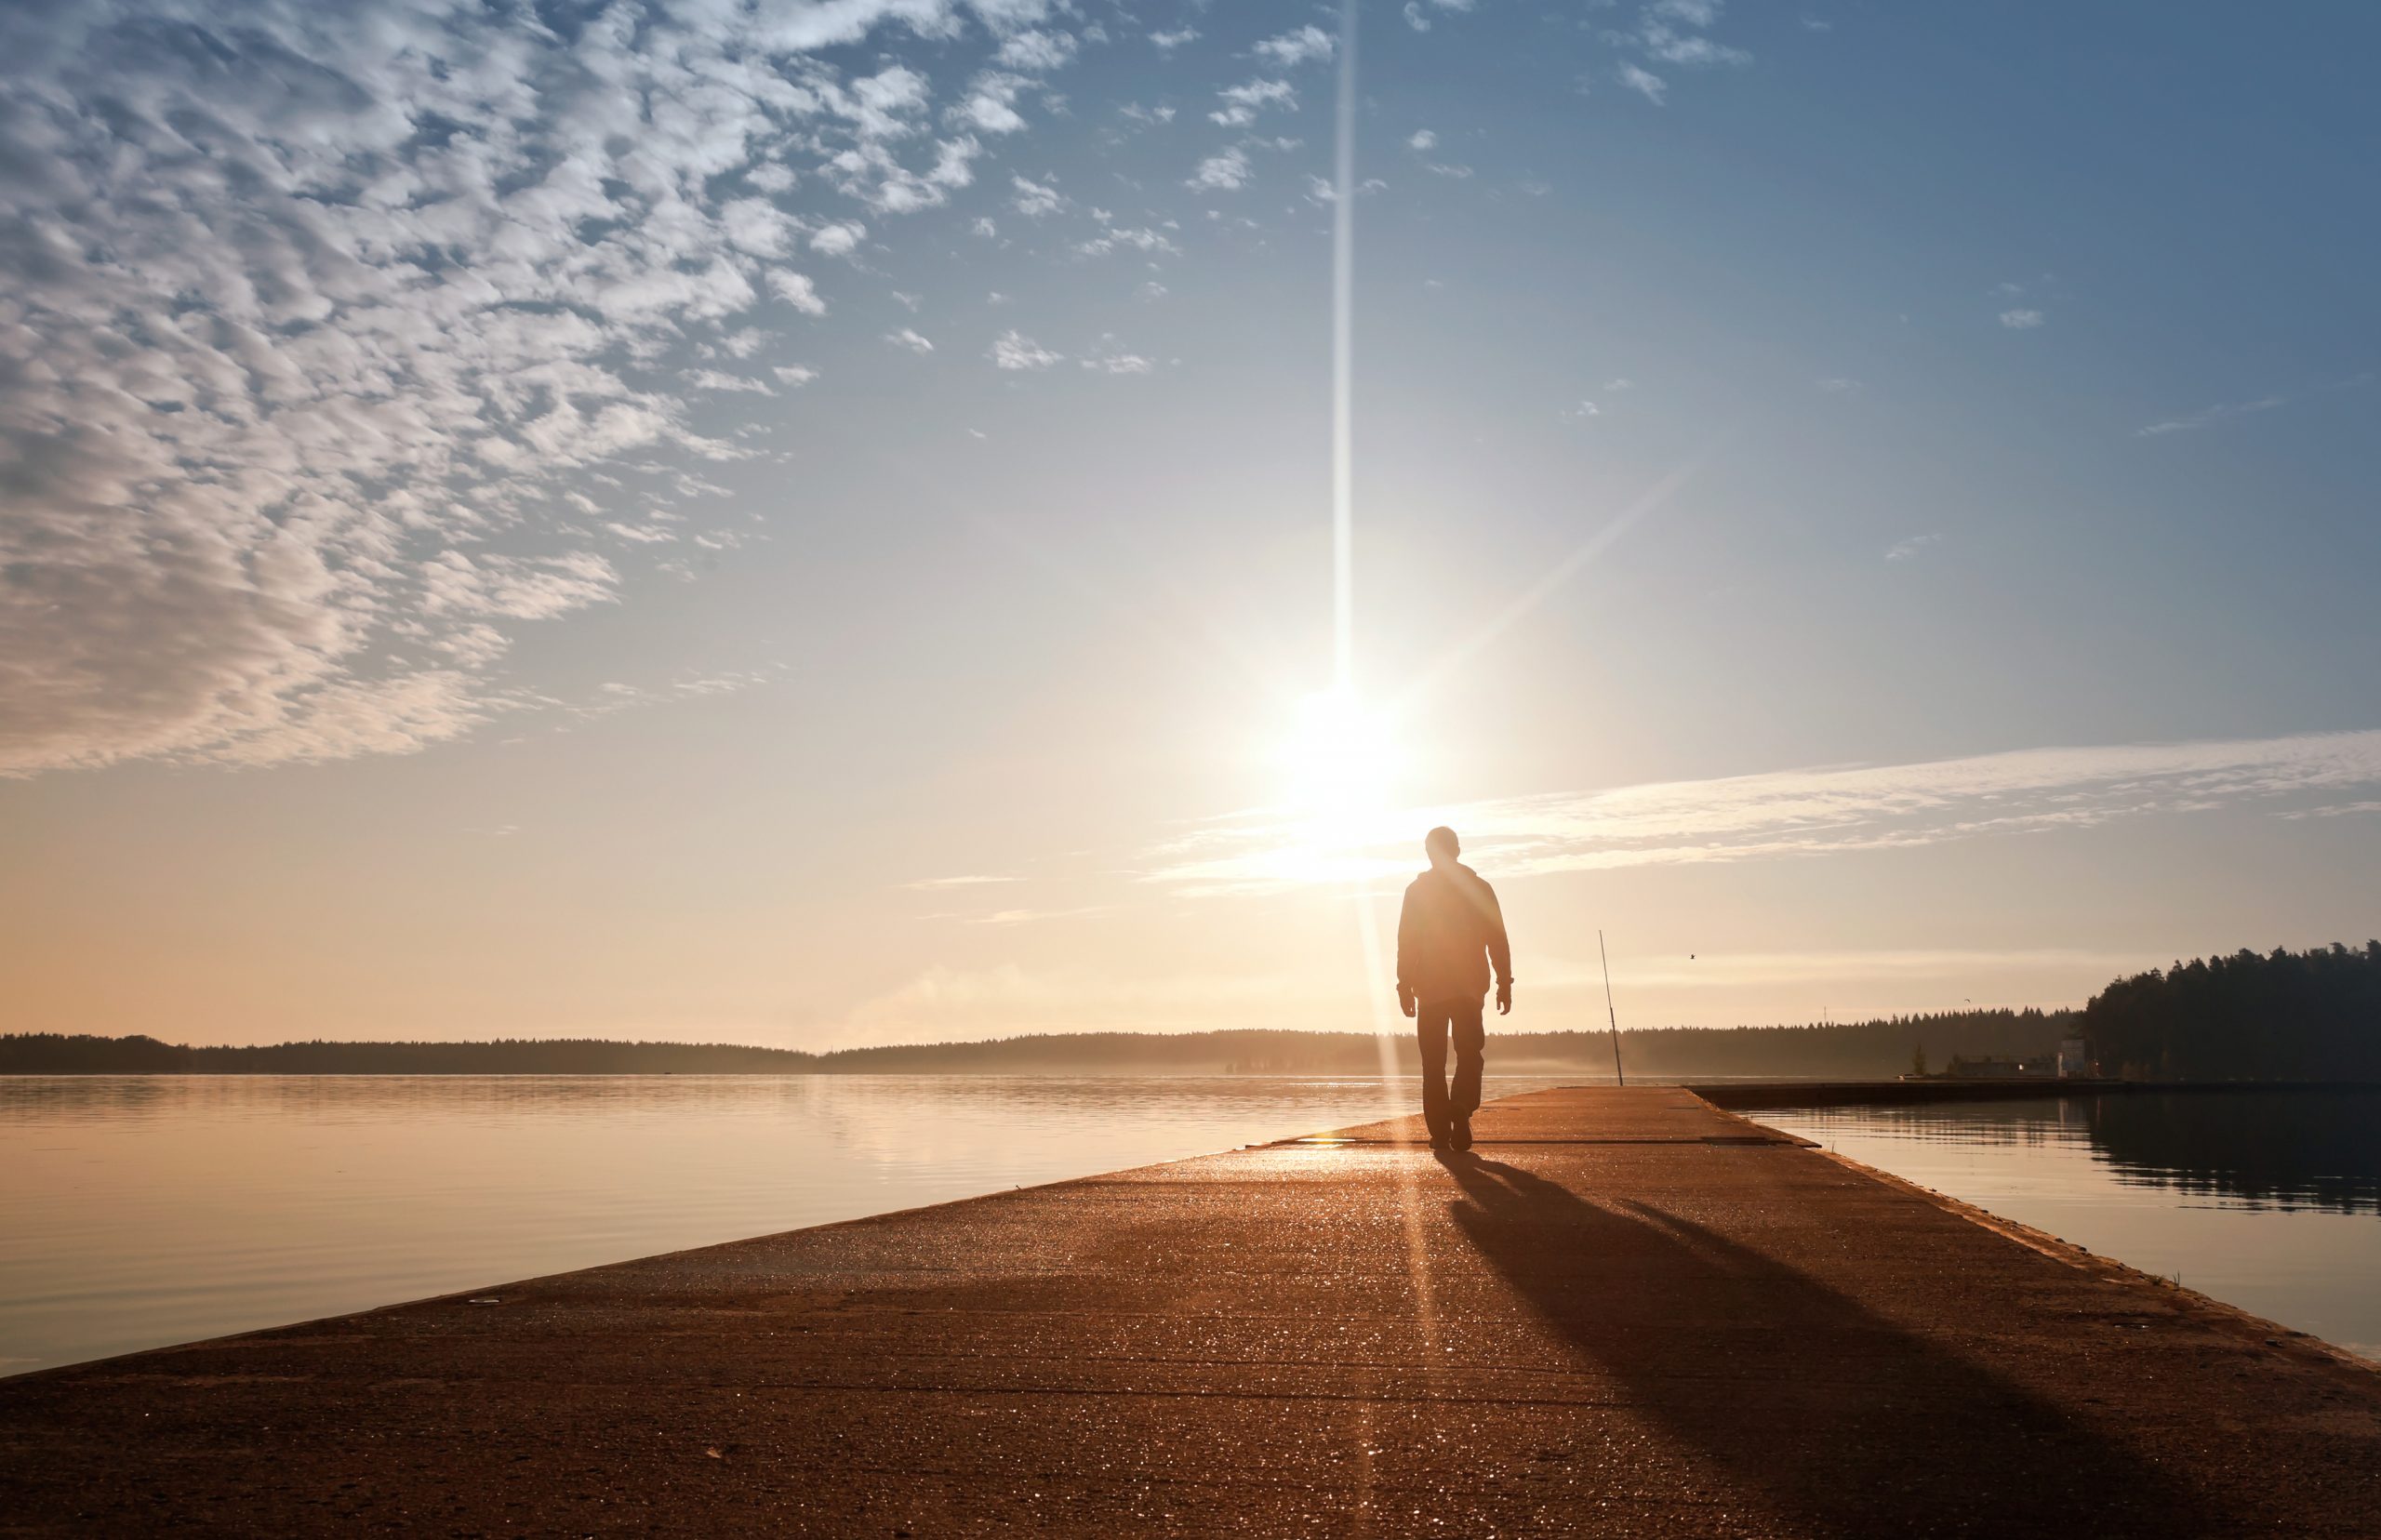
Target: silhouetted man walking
pixel 1449 931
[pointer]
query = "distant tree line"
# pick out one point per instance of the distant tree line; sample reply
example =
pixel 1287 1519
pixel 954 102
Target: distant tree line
pixel 51 1054
pixel 1859 1050
pixel 2288 1015
pixel 2310 1015
pixel 1851 1051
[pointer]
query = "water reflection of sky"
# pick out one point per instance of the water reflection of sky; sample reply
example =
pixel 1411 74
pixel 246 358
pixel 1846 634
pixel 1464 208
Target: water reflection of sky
pixel 2268 1201
pixel 137 1211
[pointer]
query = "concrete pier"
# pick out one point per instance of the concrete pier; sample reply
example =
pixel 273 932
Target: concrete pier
pixel 1625 1312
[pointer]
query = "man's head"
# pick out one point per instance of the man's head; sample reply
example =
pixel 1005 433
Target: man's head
pixel 1442 846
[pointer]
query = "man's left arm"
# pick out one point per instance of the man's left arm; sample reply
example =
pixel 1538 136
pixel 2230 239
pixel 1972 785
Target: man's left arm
pixel 1500 952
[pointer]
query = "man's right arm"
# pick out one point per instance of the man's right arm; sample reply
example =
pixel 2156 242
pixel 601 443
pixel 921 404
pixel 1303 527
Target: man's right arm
pixel 1409 952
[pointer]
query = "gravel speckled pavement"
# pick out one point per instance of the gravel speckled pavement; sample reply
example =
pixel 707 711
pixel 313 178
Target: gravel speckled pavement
pixel 1625 1313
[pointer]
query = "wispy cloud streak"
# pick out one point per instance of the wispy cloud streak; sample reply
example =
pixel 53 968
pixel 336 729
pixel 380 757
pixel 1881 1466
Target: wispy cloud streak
pixel 1794 811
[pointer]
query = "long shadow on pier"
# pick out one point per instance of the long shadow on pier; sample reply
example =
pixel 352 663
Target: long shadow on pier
pixel 1839 1418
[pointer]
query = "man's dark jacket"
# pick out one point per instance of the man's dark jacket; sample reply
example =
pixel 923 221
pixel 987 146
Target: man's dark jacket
pixel 1447 934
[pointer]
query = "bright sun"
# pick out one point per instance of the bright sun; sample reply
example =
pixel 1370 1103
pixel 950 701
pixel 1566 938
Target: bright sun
pixel 1340 764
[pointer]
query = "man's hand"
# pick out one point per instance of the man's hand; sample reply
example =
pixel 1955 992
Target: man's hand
pixel 1504 998
pixel 1405 1000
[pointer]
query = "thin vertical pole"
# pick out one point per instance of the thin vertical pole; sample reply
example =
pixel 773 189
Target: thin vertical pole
pixel 1609 1014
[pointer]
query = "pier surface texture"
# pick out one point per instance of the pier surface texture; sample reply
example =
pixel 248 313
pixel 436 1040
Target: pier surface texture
pixel 1625 1312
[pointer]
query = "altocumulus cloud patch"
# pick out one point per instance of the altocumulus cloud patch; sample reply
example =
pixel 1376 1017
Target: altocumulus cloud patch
pixel 319 319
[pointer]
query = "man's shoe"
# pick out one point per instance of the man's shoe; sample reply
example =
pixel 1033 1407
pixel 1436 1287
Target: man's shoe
pixel 1460 1136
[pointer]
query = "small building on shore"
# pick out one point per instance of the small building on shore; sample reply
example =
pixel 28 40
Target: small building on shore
pixel 1991 1067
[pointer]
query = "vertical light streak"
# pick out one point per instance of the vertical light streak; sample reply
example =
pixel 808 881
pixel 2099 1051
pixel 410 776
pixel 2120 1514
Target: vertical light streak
pixel 1386 1026
pixel 1386 1021
pixel 1343 269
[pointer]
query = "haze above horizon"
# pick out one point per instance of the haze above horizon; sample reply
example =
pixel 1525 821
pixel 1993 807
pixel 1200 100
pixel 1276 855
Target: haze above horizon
pixel 814 524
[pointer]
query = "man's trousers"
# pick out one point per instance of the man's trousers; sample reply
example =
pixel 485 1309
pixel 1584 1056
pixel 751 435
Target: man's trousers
pixel 1433 1020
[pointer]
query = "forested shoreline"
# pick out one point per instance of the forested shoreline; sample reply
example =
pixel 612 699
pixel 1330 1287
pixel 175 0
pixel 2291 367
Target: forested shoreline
pixel 2310 1015
pixel 1856 1050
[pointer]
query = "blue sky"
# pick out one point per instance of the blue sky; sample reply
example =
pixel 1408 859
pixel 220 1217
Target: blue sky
pixel 810 523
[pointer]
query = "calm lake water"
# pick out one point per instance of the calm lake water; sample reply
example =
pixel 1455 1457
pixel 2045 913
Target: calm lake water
pixel 137 1211
pixel 2268 1200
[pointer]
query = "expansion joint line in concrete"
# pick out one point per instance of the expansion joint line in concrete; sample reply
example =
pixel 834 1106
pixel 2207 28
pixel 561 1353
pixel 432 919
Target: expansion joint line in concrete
pixel 1741 1141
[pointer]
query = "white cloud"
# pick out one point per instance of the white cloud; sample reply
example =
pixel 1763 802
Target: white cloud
pixel 718 380
pixel 838 238
pixel 794 374
pixel 757 227
pixel 1909 550
pixel 523 589
pixel 478 645
pixel 1305 45
pixel 1013 349
pixel 1030 916
pixel 1644 83
pixel 1692 13
pixel 796 289
pixel 1419 20
pixel 2021 320
pixel 1118 364
pixel 1037 51
pixel 1582 410
pixel 1140 238
pixel 1837 385
pixel 1243 103
pixel 349 717
pixel 990 104
pixel 1035 199
pixel 2210 416
pixel 1690 50
pixel 1423 139
pixel 906 337
pixel 1221 173
pixel 1672 32
pixel 1168 41
pixel 1810 812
